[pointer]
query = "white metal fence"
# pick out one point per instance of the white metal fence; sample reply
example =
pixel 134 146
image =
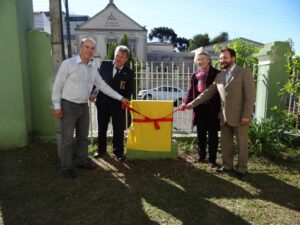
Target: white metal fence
pixel 159 81
pixel 294 102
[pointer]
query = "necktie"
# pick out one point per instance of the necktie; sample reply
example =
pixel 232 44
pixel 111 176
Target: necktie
pixel 117 71
pixel 227 76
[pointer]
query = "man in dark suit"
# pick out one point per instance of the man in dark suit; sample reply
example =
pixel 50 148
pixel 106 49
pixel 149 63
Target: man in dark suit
pixel 236 88
pixel 120 78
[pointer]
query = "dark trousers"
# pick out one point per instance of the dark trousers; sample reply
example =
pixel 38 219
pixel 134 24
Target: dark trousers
pixel 75 118
pixel 105 112
pixel 207 124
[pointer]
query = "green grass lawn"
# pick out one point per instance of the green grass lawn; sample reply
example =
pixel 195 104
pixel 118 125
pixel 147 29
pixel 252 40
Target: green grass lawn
pixel 33 191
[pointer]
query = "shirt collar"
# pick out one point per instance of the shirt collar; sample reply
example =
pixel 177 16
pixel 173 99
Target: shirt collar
pixel 78 60
pixel 116 67
pixel 231 69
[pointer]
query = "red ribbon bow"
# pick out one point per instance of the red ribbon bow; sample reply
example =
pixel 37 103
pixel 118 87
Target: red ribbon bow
pixel 149 120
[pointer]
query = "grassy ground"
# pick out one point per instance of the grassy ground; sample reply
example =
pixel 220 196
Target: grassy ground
pixel 33 191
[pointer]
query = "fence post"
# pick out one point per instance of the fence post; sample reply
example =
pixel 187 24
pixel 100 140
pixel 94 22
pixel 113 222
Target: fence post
pixel 272 75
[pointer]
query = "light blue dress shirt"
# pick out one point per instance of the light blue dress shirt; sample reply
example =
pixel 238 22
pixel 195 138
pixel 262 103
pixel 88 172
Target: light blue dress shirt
pixel 228 74
pixel 74 82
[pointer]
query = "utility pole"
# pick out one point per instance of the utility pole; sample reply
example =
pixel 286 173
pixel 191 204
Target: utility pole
pixel 56 34
pixel 62 31
pixel 57 52
pixel 68 29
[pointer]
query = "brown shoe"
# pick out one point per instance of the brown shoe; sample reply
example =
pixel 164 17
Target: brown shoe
pixel 69 174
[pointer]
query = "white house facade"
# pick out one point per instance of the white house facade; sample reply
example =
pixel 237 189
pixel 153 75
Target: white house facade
pixel 109 26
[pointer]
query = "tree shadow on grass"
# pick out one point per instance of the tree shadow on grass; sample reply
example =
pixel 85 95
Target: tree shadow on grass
pixel 33 191
pixel 275 190
pixel 182 191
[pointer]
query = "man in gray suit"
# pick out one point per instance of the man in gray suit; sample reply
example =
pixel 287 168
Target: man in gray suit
pixel 237 93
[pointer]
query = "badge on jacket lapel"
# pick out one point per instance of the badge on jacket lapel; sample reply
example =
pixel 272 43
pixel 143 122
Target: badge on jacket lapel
pixel 122 84
pixel 231 78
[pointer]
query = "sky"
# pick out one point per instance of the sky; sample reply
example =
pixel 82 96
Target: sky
pixel 263 21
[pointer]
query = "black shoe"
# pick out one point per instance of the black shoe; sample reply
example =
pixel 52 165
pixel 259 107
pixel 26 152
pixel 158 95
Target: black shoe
pixel 239 175
pixel 116 153
pixel 88 165
pixel 69 174
pixel 121 159
pixel 98 155
pixel 224 170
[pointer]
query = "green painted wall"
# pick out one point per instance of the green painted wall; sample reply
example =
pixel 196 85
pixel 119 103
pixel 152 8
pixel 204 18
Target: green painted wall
pixel 25 77
pixel 15 20
pixel 41 75
pixel 272 75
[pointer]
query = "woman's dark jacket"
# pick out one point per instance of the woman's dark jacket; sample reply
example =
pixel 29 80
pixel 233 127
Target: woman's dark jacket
pixel 213 105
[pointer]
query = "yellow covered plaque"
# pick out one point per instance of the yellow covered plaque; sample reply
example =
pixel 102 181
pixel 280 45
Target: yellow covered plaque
pixel 151 127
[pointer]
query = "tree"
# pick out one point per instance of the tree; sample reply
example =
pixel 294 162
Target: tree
pixel 291 90
pixel 131 57
pixel 124 40
pixel 220 38
pixel 163 34
pixel 111 51
pixel 199 40
pixel 292 87
pixel 245 53
pixel 182 44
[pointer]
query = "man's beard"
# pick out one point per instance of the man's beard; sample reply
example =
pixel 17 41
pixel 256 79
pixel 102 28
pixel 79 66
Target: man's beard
pixel 225 65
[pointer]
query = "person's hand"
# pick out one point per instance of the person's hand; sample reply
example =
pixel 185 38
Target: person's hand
pixel 125 100
pixel 92 98
pixel 189 106
pixel 182 107
pixel 58 113
pixel 245 121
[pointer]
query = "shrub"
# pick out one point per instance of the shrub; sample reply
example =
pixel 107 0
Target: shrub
pixel 187 146
pixel 267 137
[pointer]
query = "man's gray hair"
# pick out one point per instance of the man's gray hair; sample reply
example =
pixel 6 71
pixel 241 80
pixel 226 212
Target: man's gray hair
pixel 87 38
pixel 122 48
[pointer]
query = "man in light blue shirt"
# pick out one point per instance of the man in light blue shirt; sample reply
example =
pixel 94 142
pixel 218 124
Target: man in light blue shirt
pixel 72 87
